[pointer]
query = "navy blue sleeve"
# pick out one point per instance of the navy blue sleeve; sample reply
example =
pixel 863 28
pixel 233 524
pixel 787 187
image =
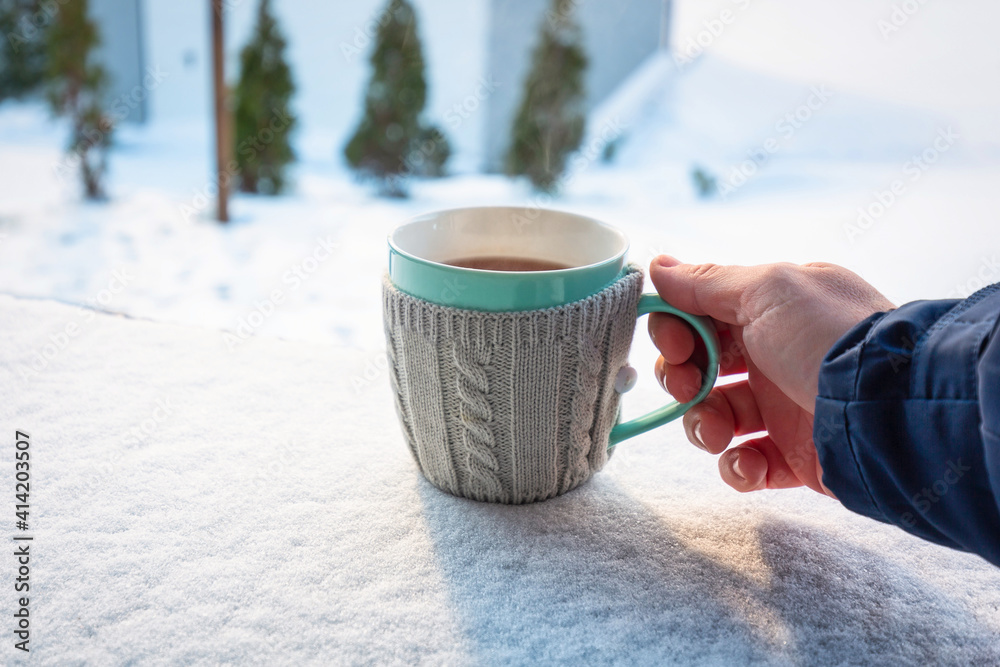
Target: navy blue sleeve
pixel 907 422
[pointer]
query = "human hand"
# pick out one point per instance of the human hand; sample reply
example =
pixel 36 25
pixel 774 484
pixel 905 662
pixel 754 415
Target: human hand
pixel 776 322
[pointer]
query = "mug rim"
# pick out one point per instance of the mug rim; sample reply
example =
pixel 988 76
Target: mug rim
pixel 551 272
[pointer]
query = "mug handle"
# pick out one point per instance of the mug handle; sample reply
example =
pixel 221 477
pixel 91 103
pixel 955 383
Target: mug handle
pixel 652 303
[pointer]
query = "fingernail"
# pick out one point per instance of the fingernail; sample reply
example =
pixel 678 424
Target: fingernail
pixel 696 432
pixel 667 261
pixel 736 469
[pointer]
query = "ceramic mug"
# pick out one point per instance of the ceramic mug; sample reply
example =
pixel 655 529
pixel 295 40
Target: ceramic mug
pixel 466 344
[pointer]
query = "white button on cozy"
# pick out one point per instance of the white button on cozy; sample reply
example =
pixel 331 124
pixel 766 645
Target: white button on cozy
pixel 625 379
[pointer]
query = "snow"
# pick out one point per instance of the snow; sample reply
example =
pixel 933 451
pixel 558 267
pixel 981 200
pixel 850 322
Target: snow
pixel 800 204
pixel 252 525
pixel 196 505
pixel 901 51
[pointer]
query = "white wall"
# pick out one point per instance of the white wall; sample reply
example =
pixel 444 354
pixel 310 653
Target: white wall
pixel 177 42
pixel 455 34
pixel 120 49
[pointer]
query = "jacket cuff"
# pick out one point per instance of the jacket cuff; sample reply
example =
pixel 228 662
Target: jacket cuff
pixel 842 471
pixel 900 427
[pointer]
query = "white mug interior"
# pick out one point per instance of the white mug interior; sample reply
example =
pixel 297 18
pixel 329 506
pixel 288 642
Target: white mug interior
pixel 529 233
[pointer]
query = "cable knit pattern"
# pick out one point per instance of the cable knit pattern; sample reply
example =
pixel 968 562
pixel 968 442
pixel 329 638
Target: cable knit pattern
pixel 476 415
pixel 590 361
pixel 509 407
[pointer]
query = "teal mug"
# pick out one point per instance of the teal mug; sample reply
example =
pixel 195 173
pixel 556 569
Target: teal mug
pixel 507 332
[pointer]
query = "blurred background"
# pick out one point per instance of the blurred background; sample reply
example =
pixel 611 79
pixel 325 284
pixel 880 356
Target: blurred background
pixel 862 132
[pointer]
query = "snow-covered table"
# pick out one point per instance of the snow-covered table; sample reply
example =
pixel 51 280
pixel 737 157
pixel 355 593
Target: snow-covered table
pixel 192 503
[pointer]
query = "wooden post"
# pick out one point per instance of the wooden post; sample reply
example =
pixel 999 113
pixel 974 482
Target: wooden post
pixel 221 111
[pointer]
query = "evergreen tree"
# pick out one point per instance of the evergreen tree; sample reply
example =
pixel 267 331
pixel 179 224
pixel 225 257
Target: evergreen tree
pixel 75 88
pixel 391 142
pixel 550 121
pixel 263 118
pixel 705 183
pixel 22 46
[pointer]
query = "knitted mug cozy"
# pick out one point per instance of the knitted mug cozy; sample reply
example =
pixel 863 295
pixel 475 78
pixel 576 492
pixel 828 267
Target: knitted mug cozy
pixel 509 407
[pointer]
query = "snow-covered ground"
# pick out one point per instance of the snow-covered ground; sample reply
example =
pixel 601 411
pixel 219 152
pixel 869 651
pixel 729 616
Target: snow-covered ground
pixel 797 163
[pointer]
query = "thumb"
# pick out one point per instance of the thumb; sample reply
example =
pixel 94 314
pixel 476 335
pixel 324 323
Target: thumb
pixel 719 292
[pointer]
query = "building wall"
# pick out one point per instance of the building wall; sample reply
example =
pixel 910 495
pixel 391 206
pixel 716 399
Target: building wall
pixel 121 53
pixel 618 35
pixel 176 36
pixel 454 34
pixel 477 54
pixel 329 46
pixel 329 43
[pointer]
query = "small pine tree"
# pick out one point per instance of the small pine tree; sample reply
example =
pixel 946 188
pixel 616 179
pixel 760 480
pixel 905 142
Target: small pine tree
pixel 22 47
pixel 705 183
pixel 263 118
pixel 392 142
pixel 550 121
pixel 75 88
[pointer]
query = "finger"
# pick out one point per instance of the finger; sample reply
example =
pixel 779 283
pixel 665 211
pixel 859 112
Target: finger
pixel 708 427
pixel 677 341
pixel 780 475
pixel 706 289
pixel 729 410
pixel 757 464
pixel 672 337
pixel 743 468
pixel 803 463
pixel 740 399
pixel 683 382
